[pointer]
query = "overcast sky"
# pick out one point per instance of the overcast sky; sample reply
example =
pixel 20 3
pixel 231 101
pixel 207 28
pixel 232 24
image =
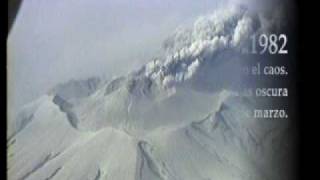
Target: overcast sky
pixel 55 41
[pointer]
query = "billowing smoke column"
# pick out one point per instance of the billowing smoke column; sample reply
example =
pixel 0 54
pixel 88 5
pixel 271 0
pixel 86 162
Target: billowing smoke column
pixel 228 29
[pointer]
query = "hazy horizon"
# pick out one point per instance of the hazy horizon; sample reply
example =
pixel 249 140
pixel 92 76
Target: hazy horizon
pixel 55 41
pixel 52 42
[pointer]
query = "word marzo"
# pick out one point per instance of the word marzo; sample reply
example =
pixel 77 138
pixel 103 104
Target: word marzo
pixel 272 113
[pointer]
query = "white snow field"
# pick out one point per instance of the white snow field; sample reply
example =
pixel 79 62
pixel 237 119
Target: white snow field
pixel 177 118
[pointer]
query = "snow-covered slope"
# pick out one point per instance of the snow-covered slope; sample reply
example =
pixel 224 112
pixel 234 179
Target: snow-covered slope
pixel 177 118
pixel 77 89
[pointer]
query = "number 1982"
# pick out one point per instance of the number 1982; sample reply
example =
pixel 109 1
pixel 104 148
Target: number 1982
pixel 274 44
